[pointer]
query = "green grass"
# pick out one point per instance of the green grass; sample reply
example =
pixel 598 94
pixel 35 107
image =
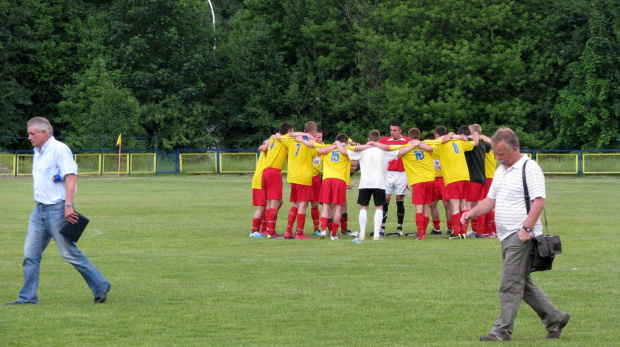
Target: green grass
pixel 185 273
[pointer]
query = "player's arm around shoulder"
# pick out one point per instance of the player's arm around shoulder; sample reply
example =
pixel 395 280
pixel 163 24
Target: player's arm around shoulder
pixel 326 149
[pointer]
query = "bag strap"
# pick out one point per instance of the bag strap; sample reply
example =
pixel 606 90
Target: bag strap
pixel 525 191
pixel 527 200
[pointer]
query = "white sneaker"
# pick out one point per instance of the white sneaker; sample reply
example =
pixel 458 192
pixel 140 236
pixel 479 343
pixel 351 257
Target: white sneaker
pixel 470 233
pixel 334 238
pixel 355 234
pixel 377 238
pixel 323 234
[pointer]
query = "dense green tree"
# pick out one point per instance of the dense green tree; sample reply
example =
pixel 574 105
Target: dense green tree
pixel 159 68
pixel 164 49
pixel 34 59
pixel 588 111
pixel 96 105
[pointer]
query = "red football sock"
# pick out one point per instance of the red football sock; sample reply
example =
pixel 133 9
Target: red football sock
pixel 263 224
pixel 490 221
pixel 474 224
pixel 316 217
pixel 255 224
pixel 436 224
pixel 335 227
pixel 271 215
pixel 449 223
pixel 344 223
pixel 292 214
pixel 324 223
pixel 419 222
pixel 463 226
pixel 301 220
pixel 482 222
pixel 456 224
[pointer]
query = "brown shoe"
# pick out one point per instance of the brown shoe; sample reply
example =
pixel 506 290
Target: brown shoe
pixel 492 337
pixel 555 333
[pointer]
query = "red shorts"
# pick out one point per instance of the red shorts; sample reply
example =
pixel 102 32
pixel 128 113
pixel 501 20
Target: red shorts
pixel 333 191
pixel 423 193
pixel 440 187
pixel 475 191
pixel 300 192
pixel 487 186
pixel 316 187
pixel 456 190
pixel 259 198
pixel 272 183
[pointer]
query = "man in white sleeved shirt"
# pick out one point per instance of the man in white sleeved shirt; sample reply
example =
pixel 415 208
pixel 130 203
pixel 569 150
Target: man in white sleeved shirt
pixel 54 198
pixel 515 228
pixel 373 164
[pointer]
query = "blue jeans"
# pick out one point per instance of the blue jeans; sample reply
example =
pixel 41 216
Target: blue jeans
pixel 45 223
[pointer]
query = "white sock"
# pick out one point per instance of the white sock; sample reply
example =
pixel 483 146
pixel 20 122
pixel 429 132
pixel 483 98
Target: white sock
pixel 363 219
pixel 378 221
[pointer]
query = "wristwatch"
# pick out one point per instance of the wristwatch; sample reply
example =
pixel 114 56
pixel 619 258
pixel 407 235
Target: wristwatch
pixel 528 229
pixel 68 204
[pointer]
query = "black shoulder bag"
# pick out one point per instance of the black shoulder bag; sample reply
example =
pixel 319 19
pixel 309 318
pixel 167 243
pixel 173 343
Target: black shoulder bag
pixel 545 247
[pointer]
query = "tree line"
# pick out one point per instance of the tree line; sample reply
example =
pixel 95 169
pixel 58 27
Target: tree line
pixel 548 69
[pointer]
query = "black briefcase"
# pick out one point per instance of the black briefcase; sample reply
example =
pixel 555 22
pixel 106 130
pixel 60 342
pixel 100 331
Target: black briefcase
pixel 74 231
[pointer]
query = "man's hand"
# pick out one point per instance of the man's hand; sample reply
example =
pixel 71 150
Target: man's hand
pixel 524 235
pixel 465 217
pixel 70 215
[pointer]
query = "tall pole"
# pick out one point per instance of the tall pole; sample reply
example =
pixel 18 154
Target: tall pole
pixel 213 19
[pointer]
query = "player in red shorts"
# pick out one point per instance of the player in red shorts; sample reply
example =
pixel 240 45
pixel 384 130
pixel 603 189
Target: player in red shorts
pixel 300 157
pixel 259 196
pixel 336 173
pixel 418 163
pixel 317 167
pixel 456 175
pixel 272 177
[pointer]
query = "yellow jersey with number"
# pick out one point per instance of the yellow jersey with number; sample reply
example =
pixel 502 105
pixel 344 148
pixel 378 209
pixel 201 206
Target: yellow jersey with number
pixel 300 159
pixel 337 165
pixel 453 163
pixel 277 152
pixel 419 166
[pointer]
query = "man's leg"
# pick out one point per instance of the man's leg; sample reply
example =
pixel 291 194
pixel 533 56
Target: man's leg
pixel 435 217
pixel 551 316
pixel 385 212
pixel 37 240
pixel 516 267
pixel 363 220
pixel 400 212
pixel 55 220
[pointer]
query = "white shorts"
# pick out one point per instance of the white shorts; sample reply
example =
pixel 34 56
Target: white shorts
pixel 396 182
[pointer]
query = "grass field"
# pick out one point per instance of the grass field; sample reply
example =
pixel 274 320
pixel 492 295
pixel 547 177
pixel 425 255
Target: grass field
pixel 185 273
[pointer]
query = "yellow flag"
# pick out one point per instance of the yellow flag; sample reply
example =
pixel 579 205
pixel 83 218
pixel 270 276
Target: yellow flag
pixel 118 142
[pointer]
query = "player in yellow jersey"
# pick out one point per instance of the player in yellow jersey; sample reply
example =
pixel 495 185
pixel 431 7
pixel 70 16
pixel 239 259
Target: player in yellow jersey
pixel 259 198
pixel 300 170
pixel 418 163
pixel 317 167
pixel 456 175
pixel 434 140
pixel 486 223
pixel 336 175
pixel 272 177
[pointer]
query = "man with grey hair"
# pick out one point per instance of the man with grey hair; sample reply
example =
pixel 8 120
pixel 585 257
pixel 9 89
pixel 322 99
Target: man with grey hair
pixel 515 227
pixel 54 173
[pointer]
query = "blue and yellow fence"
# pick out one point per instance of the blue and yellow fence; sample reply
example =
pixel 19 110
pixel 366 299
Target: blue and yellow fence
pixel 19 163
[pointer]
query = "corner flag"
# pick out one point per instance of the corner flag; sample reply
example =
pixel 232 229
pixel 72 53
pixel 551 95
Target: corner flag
pixel 118 142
